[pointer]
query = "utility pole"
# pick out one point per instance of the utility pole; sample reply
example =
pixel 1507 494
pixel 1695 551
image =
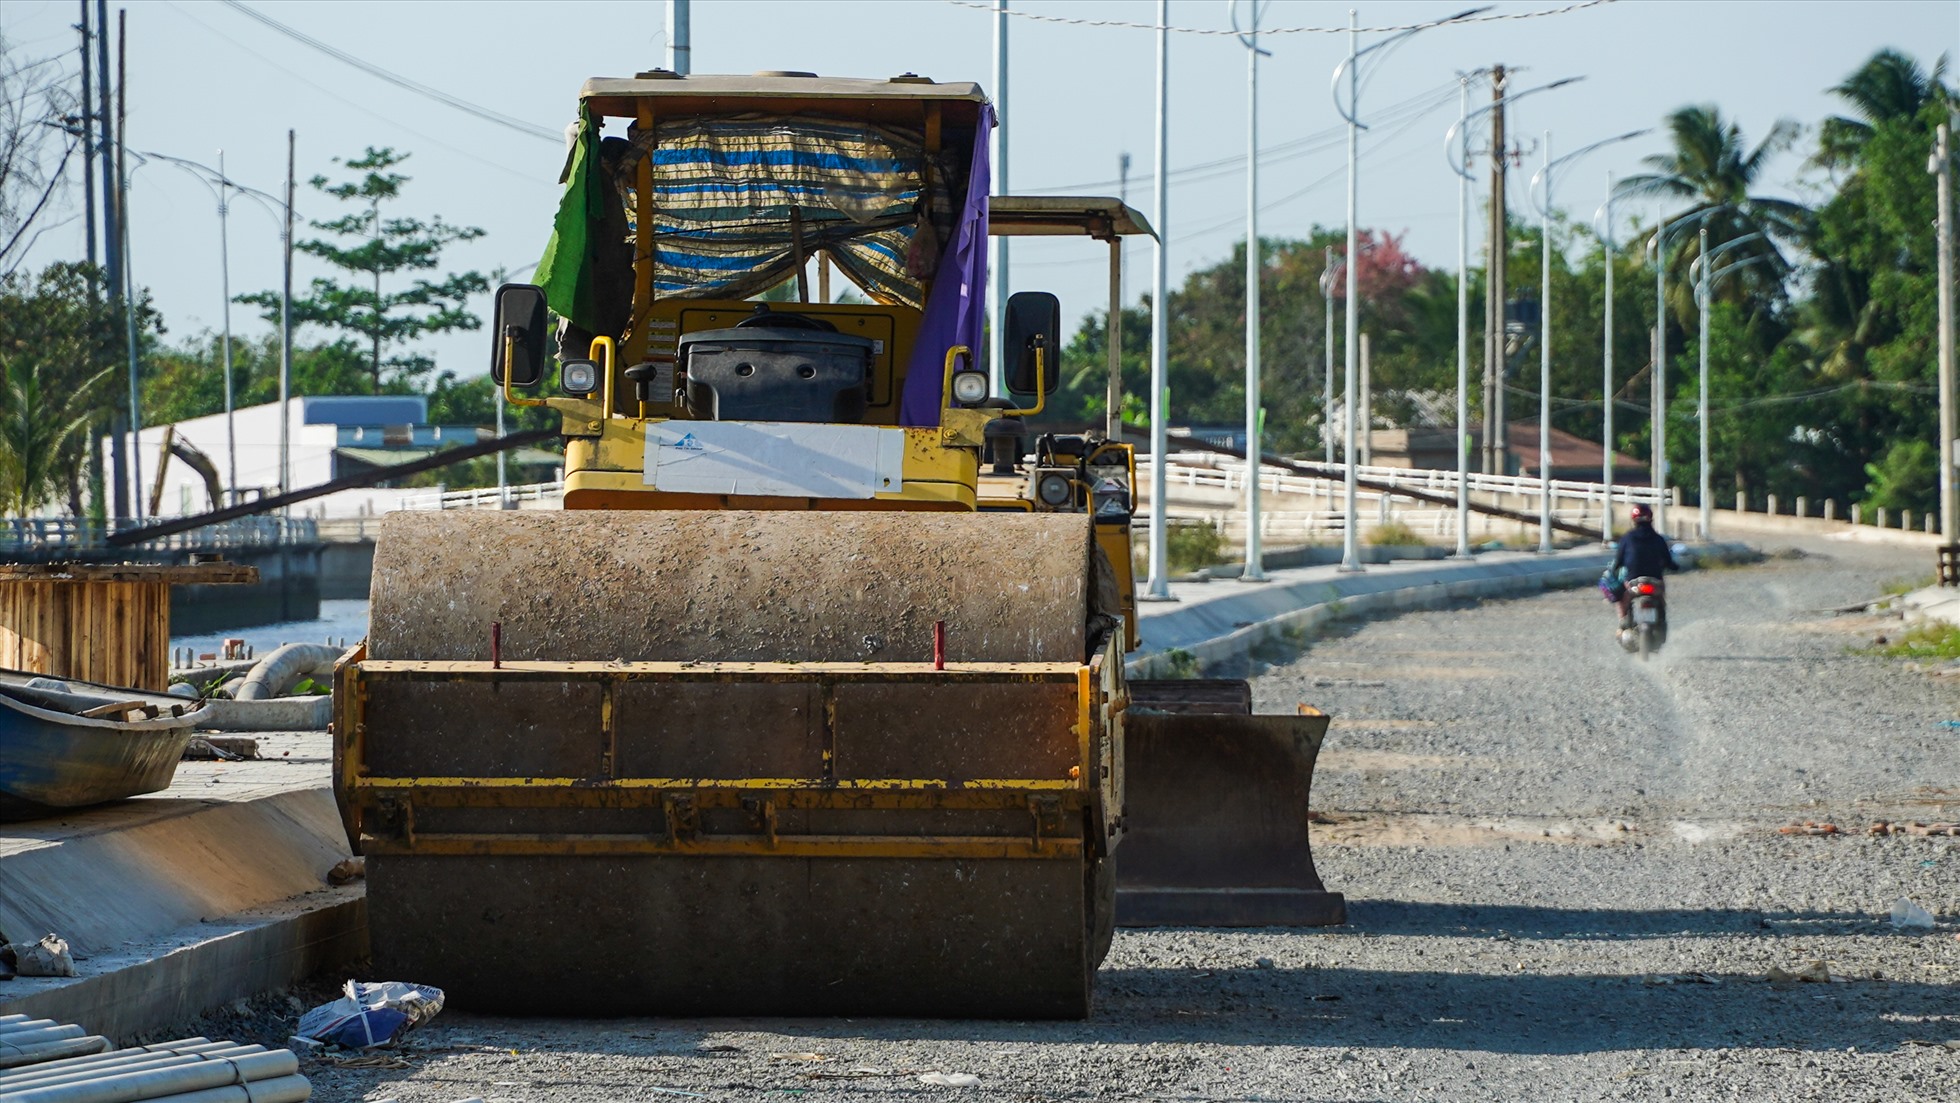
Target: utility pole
pixel 88 148
pixel 680 46
pixel 111 250
pixel 1943 167
pixel 128 276
pixel 1497 245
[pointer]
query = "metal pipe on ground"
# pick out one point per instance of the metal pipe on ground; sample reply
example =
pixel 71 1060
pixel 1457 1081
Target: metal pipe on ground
pixel 171 1083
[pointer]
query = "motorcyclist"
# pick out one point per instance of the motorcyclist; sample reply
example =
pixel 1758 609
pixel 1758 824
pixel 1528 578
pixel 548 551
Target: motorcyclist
pixel 1641 553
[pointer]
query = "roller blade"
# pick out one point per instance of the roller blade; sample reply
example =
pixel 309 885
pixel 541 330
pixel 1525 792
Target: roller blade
pixel 1215 812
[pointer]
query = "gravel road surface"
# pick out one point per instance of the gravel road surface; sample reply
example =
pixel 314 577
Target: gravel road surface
pixel 1565 878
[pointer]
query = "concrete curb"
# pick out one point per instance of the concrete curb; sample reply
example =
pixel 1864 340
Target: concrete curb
pixel 151 987
pixel 192 906
pixel 1179 641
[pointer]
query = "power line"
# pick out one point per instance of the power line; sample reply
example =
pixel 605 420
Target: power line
pixel 1318 141
pixel 975 4
pixel 530 130
pixel 391 120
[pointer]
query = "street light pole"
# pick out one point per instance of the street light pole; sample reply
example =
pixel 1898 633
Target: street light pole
pixel 1159 588
pixel 1459 162
pixel 1254 446
pixel 1657 412
pixel 1545 360
pixel 1350 542
pixel 1545 333
pixel 1702 266
pixel 1327 278
pixel 1949 501
pixel 1606 382
pixel 224 284
pixel 286 331
pixel 1462 170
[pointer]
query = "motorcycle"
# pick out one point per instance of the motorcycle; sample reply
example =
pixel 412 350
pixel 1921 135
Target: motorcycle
pixel 1645 628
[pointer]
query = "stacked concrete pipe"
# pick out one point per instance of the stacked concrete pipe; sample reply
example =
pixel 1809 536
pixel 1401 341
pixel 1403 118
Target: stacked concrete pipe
pixel 190 1070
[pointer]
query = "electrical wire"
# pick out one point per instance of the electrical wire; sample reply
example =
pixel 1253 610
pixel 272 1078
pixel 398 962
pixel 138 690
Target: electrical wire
pixel 1511 17
pixel 528 129
pixel 389 119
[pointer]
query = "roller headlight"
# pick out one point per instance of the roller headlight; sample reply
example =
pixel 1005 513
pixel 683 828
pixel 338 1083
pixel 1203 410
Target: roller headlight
pixel 970 387
pixel 1054 489
pixel 579 377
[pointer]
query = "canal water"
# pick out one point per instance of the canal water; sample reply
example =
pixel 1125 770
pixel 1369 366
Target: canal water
pixel 343 619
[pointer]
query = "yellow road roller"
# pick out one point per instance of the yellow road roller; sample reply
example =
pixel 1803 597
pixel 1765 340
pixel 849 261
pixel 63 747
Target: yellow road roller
pixel 811 699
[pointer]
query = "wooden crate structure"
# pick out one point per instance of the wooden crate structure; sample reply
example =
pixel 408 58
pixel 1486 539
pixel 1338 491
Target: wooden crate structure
pixel 99 622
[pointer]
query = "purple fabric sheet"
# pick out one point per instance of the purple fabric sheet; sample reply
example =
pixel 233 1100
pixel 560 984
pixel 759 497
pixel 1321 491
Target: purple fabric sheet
pixel 956 307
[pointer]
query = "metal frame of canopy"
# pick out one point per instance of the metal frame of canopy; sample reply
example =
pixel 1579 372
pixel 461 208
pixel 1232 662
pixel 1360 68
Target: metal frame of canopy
pixel 1100 217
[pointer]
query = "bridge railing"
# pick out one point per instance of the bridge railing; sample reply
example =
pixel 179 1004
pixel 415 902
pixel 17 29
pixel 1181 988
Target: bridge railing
pixel 56 537
pixel 1204 470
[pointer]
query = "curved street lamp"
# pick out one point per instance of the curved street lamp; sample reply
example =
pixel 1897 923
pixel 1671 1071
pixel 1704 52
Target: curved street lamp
pixel 1657 409
pixel 1459 162
pixel 1545 323
pixel 1704 288
pixel 1351 67
pixel 222 187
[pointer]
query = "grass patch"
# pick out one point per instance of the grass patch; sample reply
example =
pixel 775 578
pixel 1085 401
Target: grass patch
pixel 1900 586
pixel 1193 545
pixel 1923 641
pixel 1393 534
pixel 1180 663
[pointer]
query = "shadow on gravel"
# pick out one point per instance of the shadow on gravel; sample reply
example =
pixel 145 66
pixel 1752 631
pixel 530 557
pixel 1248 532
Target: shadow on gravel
pixel 1521 1013
pixel 1525 1013
pixel 1500 921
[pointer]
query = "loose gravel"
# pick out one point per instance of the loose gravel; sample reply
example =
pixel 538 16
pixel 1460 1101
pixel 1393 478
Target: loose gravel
pixel 1565 881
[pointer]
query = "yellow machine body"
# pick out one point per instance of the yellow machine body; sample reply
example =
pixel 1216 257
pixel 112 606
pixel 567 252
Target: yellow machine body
pixel 715 739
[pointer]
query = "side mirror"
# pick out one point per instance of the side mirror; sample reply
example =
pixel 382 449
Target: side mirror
pixel 520 333
pixel 1031 315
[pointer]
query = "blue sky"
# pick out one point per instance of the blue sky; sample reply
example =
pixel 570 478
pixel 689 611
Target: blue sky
pixel 203 76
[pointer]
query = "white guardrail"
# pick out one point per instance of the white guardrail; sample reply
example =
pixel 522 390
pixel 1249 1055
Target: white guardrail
pixel 1575 502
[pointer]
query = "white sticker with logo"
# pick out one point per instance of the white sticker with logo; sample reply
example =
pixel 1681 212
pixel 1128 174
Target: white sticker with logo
pixel 781 459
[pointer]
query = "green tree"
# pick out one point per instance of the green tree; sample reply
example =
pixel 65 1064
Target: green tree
pixel 60 340
pixel 40 422
pixel 1712 169
pixel 375 251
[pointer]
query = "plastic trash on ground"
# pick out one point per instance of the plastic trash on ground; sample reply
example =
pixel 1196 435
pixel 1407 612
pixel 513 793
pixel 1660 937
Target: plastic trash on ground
pixel 1905 913
pixel 950 1079
pixel 371 1014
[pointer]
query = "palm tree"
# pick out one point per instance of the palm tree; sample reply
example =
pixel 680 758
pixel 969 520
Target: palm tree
pixel 1712 170
pixel 1888 87
pixel 1888 93
pixel 36 428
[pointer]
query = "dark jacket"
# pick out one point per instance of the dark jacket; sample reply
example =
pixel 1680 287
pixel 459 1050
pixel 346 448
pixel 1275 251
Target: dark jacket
pixel 1643 553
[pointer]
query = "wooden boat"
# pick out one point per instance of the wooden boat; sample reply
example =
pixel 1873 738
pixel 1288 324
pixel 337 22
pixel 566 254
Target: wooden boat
pixel 67 744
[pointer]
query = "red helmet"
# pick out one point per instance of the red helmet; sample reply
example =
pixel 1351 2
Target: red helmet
pixel 1642 513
